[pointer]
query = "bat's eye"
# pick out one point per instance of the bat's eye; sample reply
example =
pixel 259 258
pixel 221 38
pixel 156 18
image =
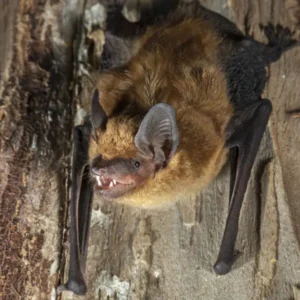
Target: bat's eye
pixel 137 164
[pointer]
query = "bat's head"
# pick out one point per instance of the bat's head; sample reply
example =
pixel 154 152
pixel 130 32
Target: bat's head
pixel 126 151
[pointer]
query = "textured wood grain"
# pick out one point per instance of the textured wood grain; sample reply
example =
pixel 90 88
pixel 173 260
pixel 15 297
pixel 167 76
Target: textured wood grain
pixel 35 142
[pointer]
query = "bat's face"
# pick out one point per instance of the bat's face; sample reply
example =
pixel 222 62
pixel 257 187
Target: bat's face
pixel 116 177
pixel 117 166
pixel 126 152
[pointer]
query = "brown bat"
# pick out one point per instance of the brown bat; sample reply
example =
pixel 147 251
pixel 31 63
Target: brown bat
pixel 164 122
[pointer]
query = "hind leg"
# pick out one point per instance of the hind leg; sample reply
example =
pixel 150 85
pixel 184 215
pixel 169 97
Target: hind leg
pixel 279 35
pixel 280 39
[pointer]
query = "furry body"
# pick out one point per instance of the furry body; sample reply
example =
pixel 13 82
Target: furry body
pixel 188 91
pixel 176 63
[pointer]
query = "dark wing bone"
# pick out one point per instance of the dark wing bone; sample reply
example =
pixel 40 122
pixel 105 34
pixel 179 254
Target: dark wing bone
pixel 80 211
pixel 244 136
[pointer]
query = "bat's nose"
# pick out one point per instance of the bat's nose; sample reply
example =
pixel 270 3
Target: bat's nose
pixel 98 171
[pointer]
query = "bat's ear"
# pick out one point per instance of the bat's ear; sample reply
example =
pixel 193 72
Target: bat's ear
pixel 157 136
pixel 98 115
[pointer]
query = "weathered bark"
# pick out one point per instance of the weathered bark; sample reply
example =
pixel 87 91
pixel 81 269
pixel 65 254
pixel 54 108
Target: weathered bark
pixel 134 254
pixel 35 138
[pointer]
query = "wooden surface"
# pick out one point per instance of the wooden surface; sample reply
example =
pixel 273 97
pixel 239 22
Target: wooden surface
pixel 35 143
pixel 133 254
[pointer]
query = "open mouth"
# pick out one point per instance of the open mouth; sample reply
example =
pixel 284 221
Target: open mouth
pixel 105 183
pixel 111 188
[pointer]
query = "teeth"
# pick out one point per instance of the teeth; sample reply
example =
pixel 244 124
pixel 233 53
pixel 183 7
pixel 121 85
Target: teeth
pixel 102 180
pixel 99 181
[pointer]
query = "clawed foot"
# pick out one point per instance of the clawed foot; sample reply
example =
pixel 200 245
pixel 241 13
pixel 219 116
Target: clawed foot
pixel 279 36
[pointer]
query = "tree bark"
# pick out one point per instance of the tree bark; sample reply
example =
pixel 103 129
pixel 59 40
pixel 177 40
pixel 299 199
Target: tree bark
pixel 36 115
pixel 163 254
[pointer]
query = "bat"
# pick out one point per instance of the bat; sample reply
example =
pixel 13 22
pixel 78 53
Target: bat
pixel 165 118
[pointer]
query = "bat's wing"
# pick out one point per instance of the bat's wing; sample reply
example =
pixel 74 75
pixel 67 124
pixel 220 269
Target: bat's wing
pixel 244 136
pixel 80 211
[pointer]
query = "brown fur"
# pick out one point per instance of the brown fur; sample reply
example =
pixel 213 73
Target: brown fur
pixel 176 64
